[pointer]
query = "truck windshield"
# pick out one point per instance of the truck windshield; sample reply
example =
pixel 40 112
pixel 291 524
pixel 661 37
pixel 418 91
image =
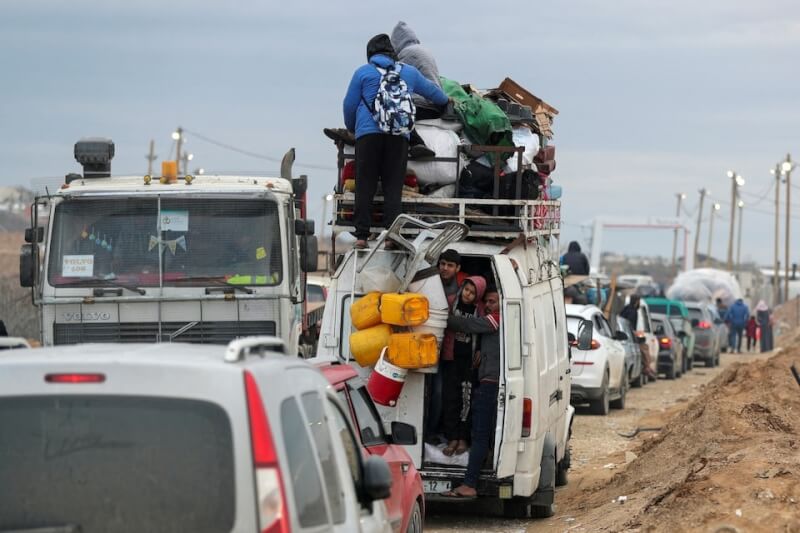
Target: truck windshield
pixel 143 242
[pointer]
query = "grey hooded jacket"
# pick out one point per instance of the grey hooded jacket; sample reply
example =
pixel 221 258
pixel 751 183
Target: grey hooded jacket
pixel 409 51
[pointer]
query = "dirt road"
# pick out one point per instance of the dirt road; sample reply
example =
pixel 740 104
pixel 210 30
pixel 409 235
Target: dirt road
pixel 729 457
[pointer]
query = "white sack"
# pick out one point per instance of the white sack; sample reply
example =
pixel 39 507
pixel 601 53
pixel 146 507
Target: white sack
pixel 445 143
pixel 705 285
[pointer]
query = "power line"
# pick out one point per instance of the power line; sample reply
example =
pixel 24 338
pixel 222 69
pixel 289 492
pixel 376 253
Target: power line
pixel 249 153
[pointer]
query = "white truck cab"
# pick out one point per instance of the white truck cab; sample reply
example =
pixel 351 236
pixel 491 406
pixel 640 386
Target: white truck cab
pixel 202 259
pixel 530 454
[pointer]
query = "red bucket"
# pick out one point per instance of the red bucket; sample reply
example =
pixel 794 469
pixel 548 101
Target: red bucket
pixel 386 382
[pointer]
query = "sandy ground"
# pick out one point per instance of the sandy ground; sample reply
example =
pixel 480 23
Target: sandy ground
pixel 727 455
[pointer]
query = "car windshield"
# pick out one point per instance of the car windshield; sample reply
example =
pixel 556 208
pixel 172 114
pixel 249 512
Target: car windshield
pixel 116 463
pixel 695 313
pixel 148 241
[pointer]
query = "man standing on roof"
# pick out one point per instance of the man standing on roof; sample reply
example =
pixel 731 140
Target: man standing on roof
pixel 411 52
pixel 737 317
pixel 576 260
pixel 377 100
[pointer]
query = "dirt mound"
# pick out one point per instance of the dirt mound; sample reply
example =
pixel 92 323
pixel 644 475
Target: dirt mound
pixel 731 458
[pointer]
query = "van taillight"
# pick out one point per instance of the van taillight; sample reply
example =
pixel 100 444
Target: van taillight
pixel 270 498
pixel 704 325
pixel 75 378
pixel 527 416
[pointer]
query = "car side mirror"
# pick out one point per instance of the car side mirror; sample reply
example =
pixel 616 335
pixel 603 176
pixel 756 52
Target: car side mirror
pixel 309 251
pixel 27 265
pixel 640 339
pixel 695 322
pixel 718 321
pixel 620 336
pixel 404 434
pixel 585 334
pixel 682 334
pixel 377 481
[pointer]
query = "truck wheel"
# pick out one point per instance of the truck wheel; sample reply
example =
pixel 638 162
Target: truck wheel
pixel 415 522
pixel 543 511
pixel 562 470
pixel 619 403
pixel 516 508
pixel 601 406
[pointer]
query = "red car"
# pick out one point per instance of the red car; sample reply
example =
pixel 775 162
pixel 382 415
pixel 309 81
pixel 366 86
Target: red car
pixel 405 506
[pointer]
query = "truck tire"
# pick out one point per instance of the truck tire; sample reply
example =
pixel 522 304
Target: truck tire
pixel 562 469
pixel 516 508
pixel 601 406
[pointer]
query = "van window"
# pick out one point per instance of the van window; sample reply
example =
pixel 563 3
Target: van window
pixel 322 440
pixel 513 325
pixel 304 475
pixel 351 449
pixel 369 424
pixel 116 463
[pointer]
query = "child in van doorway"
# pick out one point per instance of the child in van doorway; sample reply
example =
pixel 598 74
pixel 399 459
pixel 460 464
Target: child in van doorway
pixel 458 349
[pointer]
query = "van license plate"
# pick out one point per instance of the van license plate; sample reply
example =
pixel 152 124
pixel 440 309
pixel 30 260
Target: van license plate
pixel 435 486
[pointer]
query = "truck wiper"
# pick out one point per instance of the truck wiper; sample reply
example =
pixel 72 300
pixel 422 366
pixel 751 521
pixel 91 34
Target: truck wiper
pixel 68 528
pixel 220 284
pixel 82 282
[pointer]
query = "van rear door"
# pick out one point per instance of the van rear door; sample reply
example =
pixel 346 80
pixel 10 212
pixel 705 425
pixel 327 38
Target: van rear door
pixel 512 383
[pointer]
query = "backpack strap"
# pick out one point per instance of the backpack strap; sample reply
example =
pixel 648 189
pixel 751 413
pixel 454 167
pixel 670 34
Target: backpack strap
pixel 382 73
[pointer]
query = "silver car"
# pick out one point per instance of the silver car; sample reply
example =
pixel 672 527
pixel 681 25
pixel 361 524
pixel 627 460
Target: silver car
pixel 170 437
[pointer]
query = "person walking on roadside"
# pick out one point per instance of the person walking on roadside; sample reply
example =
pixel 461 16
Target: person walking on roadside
pixel 751 332
pixel 736 317
pixel 378 109
pixel 764 319
pixel 576 260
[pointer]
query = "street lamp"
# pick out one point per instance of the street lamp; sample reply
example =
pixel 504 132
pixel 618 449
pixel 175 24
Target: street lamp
pixel 714 208
pixel 736 182
pixel 786 169
pixel 740 205
pixel 681 197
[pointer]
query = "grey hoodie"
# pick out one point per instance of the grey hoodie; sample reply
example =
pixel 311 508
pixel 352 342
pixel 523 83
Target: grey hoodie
pixel 409 51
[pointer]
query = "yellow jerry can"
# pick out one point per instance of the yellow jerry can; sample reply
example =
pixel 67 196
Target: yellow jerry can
pixel 366 345
pixel 413 350
pixel 365 312
pixel 407 309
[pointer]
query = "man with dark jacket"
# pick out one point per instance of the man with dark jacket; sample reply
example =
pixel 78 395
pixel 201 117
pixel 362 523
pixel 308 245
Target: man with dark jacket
pixel 484 397
pixel 379 156
pixel 736 317
pixel 576 260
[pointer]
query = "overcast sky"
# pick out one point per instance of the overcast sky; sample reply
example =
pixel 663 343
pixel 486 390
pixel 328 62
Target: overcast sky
pixel 655 97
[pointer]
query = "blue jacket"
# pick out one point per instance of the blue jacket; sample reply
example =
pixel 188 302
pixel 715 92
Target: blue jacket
pixel 738 314
pixel 364 86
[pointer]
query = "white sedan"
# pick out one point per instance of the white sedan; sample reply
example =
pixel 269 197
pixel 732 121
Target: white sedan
pixel 599 376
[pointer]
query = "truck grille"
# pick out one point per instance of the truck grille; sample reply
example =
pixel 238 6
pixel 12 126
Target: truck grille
pixel 201 333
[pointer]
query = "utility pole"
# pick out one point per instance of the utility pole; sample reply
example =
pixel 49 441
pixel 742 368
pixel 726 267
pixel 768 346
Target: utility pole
pixel 787 168
pixel 703 193
pixel 736 181
pixel 178 136
pixel 714 209
pixel 681 197
pixel 151 156
pixel 739 239
pixel 776 279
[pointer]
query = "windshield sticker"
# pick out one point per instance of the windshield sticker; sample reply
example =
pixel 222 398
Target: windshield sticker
pixel 261 253
pixel 174 220
pixel 77 266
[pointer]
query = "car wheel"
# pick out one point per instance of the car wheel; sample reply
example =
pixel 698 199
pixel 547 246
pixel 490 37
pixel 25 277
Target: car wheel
pixel 415 522
pixel 516 508
pixel 639 381
pixel 619 403
pixel 601 405
pixel 670 374
pixel 562 469
pixel 690 363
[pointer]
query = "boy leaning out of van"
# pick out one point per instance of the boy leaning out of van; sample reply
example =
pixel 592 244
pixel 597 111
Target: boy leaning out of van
pixel 484 396
pixel 458 349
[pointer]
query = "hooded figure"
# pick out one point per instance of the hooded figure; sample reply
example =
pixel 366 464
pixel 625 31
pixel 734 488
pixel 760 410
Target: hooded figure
pixel 449 335
pixel 764 319
pixel 576 260
pixel 411 52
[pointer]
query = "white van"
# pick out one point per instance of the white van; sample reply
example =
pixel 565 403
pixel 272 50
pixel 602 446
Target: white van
pixel 530 455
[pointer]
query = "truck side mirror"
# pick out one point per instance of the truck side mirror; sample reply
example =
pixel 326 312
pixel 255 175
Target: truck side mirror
pixel 27 265
pixel 309 250
pixel 303 227
pixel 585 334
pixel 34 234
pixel 404 434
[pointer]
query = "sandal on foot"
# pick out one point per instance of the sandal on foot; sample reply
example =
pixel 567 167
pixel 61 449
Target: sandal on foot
pixel 450 449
